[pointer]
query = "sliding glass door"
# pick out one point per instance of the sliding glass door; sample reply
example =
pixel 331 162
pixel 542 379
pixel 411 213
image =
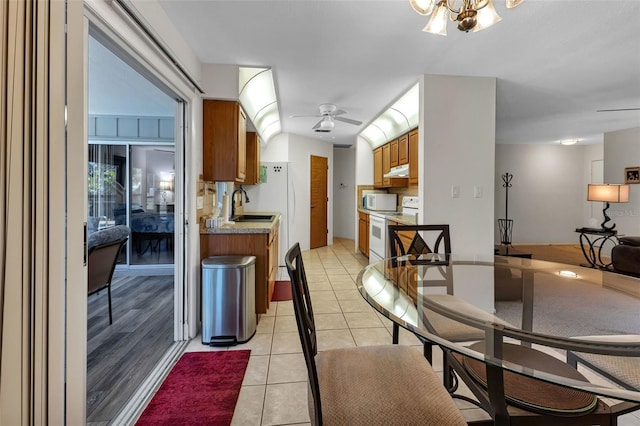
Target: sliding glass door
pixel 134 185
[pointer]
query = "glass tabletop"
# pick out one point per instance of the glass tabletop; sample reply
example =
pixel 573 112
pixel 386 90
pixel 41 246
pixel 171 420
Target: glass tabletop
pixel 550 307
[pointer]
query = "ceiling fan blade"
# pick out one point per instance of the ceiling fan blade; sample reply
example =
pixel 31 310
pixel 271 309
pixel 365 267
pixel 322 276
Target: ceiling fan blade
pixel 339 112
pixel 317 124
pixel 618 109
pixel 314 115
pixel 348 120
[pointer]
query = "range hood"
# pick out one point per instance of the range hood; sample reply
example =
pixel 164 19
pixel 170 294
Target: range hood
pixel 398 172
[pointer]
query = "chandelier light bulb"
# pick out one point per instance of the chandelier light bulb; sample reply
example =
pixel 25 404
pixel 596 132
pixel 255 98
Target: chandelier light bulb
pixel 438 22
pixel 487 16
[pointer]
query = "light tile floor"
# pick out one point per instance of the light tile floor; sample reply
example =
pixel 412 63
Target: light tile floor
pixel 274 390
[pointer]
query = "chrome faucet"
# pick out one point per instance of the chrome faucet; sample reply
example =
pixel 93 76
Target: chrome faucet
pixel 233 200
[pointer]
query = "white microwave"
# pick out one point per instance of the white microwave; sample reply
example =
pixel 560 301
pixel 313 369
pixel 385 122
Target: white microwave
pixel 380 202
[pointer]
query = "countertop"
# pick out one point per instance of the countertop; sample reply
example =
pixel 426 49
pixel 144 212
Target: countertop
pixel 405 219
pixel 245 227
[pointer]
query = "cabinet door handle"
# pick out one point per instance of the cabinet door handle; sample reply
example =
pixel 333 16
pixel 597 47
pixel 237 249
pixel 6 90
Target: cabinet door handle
pixel 312 205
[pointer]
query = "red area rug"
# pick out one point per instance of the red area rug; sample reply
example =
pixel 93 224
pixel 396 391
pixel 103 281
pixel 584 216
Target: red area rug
pixel 201 389
pixel 281 291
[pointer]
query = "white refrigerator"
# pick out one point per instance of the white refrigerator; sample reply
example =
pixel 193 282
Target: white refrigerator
pixel 276 194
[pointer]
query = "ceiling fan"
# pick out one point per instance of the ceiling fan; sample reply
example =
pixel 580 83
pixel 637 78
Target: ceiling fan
pixel 329 113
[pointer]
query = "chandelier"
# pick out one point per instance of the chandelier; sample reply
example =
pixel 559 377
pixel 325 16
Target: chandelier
pixel 470 15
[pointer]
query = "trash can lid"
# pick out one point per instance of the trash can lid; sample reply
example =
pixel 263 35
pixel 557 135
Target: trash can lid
pixel 226 262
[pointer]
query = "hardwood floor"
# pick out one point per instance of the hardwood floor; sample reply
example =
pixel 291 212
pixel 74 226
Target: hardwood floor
pixel 121 355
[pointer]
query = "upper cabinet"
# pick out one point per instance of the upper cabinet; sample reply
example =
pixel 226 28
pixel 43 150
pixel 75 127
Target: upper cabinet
pixel 386 164
pixel 223 141
pixel 398 152
pixel 252 176
pixel 403 149
pixel 413 157
pixel 377 167
pixel 393 152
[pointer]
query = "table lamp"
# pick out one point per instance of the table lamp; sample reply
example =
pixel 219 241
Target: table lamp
pixel 165 186
pixel 608 193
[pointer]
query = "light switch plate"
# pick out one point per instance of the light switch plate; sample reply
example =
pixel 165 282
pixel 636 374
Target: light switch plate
pixel 455 191
pixel 199 202
pixel 477 191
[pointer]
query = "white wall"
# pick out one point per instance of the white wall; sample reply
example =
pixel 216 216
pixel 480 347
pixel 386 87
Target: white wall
pixel 344 190
pixel 548 195
pixel 622 149
pixel 456 145
pixel 220 81
pixel 300 151
pixel 276 150
pixel 363 162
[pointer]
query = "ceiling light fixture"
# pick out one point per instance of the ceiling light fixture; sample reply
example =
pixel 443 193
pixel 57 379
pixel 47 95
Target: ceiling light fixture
pixel 470 15
pixel 398 119
pixel 569 141
pixel 257 95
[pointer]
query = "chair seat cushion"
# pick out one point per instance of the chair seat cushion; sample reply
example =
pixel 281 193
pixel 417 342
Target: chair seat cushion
pixel 623 369
pixel 532 394
pixel 382 385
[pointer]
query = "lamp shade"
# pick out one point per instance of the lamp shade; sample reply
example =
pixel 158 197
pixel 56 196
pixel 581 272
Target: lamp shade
pixel 165 185
pixel 609 192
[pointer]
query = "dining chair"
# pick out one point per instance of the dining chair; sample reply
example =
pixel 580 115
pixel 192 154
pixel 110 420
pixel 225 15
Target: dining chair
pixel 372 385
pixel 412 240
pixel 104 246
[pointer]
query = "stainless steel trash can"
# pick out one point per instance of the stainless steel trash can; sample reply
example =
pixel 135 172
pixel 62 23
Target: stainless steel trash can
pixel 228 300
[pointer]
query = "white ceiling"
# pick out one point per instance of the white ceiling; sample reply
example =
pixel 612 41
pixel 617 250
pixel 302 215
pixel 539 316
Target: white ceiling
pixel 556 61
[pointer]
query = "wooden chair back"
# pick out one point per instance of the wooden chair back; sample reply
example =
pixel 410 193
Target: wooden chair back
pixel 305 322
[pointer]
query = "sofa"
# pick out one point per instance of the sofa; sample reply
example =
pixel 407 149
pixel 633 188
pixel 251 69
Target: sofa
pixel 625 257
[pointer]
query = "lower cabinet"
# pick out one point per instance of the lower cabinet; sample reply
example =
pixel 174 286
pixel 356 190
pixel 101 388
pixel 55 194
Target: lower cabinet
pixel 264 246
pixel 363 233
pixel 406 237
pixel 272 253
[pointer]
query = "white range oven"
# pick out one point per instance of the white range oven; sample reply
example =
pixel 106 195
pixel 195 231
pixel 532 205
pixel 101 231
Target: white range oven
pixel 377 238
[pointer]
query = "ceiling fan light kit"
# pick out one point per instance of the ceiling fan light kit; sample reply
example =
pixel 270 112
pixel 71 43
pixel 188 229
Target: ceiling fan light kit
pixel 329 113
pixel 470 15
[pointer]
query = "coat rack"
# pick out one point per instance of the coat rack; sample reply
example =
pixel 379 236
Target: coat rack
pixel 506 225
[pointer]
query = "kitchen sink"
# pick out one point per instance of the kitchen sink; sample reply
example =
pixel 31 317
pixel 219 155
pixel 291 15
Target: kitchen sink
pixel 253 218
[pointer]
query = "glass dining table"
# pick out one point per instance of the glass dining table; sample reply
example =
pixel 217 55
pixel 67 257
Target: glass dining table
pixel 512 315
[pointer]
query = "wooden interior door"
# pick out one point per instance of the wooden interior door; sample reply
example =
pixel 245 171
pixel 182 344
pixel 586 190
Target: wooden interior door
pixel 318 207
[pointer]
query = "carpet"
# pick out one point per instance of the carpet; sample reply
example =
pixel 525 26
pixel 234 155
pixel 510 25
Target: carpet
pixel 281 291
pixel 202 388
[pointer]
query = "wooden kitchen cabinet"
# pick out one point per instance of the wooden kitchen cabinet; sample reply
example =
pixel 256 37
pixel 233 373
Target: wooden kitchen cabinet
pixel 223 141
pixel 377 168
pixel 386 167
pixel 403 149
pixel 405 236
pixel 272 253
pixel 413 156
pixel 393 153
pixel 252 176
pixel 363 233
pixel 386 164
pixel 264 246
